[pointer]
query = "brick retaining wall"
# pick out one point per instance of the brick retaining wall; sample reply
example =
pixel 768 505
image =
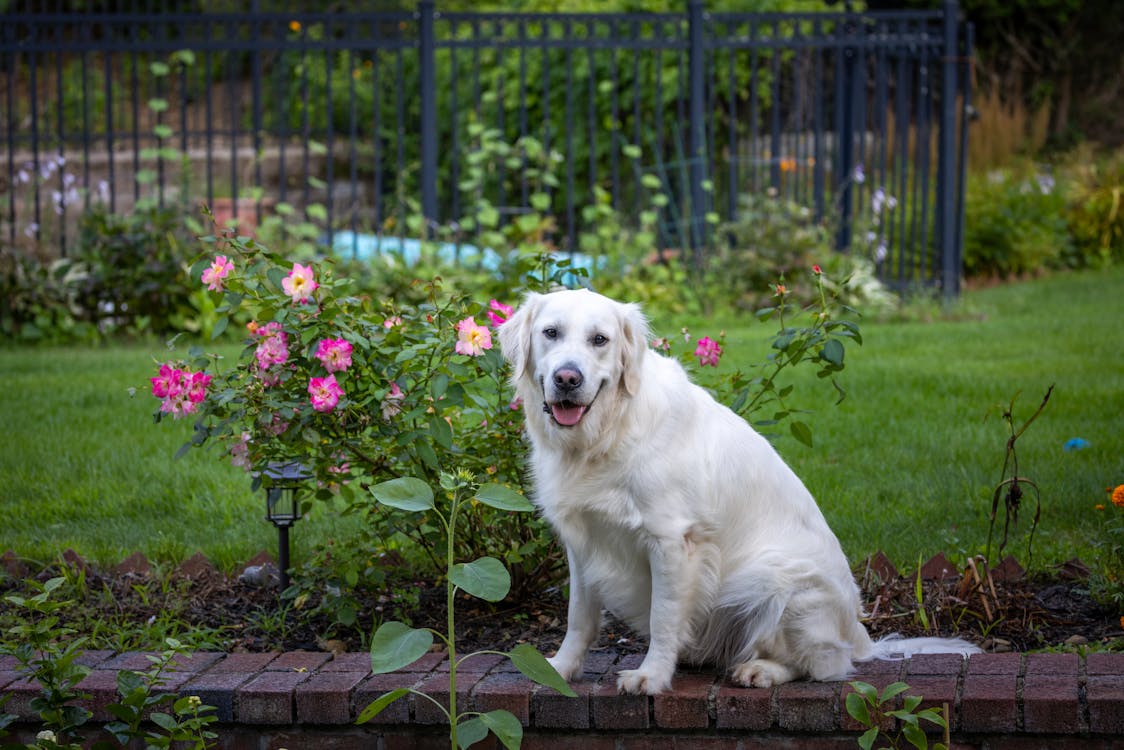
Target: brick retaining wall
pixel 306 699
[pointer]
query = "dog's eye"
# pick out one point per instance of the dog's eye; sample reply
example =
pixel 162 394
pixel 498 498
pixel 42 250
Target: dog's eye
pixel 599 340
pixel 550 333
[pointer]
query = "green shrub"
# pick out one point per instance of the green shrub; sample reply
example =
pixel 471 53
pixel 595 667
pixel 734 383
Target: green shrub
pixel 1014 224
pixel 1096 212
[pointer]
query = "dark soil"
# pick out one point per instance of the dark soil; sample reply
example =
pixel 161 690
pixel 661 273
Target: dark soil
pixel 1002 612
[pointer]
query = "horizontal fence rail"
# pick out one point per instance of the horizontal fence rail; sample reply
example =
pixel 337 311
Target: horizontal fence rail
pixel 362 120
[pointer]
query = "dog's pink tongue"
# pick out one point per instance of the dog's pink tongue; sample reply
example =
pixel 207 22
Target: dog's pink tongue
pixel 567 415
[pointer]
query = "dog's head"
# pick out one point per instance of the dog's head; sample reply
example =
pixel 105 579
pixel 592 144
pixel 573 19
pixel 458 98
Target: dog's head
pixel 571 351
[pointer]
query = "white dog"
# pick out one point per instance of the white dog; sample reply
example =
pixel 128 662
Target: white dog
pixel 676 515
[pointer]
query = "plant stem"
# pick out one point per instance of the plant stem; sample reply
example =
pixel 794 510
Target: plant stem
pixel 450 600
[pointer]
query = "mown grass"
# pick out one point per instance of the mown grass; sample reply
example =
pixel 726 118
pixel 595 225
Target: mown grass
pixel 906 464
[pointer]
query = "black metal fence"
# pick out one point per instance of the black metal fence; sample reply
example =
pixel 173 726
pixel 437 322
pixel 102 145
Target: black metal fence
pixel 359 120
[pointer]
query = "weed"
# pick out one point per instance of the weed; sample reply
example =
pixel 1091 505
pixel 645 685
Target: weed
pixel 1010 487
pixel 875 712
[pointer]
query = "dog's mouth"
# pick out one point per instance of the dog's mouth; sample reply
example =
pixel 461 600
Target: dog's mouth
pixel 566 413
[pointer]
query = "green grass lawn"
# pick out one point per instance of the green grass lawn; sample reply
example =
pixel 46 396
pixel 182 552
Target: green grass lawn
pixel 906 464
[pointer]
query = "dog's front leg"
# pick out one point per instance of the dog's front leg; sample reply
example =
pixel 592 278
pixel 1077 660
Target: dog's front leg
pixel 672 569
pixel 583 622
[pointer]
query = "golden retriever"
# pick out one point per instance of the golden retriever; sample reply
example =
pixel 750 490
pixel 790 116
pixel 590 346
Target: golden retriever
pixel 675 514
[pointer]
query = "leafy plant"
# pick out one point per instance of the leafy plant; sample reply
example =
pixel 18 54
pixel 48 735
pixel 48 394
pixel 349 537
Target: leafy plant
pixel 186 722
pixel 1014 224
pixel 37 646
pixel 396 645
pixel 875 711
pixel 40 652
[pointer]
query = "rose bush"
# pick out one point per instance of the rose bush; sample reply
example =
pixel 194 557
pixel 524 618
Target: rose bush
pixel 358 390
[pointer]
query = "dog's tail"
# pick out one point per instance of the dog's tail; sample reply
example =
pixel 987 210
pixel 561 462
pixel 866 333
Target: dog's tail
pixel 896 647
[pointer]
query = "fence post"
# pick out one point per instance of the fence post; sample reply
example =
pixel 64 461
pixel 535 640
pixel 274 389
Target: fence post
pixel 427 66
pixel 946 176
pixel 696 77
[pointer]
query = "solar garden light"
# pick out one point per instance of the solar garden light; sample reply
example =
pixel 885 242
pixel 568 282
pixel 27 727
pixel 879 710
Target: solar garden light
pixel 282 506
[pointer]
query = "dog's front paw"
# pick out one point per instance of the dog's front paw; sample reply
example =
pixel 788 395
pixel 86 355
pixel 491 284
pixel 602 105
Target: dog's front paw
pixel 565 667
pixel 762 673
pixel 641 681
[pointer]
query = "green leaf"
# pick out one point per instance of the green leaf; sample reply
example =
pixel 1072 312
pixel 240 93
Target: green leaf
pixel 220 327
pixel 404 493
pixel 857 708
pixel 534 665
pixel 485 578
pixel 396 645
pixel 892 690
pixel 441 432
pixel 915 736
pixel 801 432
pixel 867 738
pixel 505 726
pixel 833 352
pixel 503 498
pixel 471 731
pixel 540 201
pixel 164 721
pixel 376 707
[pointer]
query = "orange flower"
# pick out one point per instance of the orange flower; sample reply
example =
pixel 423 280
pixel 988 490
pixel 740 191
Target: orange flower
pixel 788 165
pixel 1098 506
pixel 1118 496
pixel 781 291
pixel 294 26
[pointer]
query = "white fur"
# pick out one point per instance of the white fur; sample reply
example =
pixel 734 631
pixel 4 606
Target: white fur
pixel 675 514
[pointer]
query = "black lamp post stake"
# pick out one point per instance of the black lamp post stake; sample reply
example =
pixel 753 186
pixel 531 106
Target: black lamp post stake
pixel 283 507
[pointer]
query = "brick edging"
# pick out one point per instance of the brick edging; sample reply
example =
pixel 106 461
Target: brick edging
pixel 1047 695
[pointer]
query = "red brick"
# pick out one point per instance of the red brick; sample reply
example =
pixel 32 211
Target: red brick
pixel 997 664
pixel 299 661
pixel 611 710
pixel 788 742
pixel 248 664
pixel 1052 665
pixel 1105 695
pixel 934 664
pixel 1053 743
pixel 552 710
pixel 807 706
pixel 325 697
pixel 685 706
pixel 413 740
pixel 1104 663
pixel 348 662
pixel 268 698
pixel 744 708
pixel 375 686
pixel 511 692
pixel 436 686
pixel 478 663
pixel 988 703
pixel 1052 703
pixel 217 689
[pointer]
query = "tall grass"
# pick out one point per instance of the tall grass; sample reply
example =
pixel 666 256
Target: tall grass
pixel 905 464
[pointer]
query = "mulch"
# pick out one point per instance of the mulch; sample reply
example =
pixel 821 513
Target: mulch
pixel 1002 610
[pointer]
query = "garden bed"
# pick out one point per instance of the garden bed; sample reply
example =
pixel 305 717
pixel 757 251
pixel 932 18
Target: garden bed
pixel 1010 611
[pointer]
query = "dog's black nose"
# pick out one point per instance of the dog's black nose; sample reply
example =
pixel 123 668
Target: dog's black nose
pixel 567 378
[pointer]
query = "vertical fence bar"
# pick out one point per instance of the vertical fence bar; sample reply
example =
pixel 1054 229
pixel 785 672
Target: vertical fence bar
pixel 946 183
pixel 427 66
pixel 696 62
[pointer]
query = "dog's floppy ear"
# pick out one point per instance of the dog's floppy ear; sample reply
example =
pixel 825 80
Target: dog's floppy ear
pixel 515 336
pixel 634 327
